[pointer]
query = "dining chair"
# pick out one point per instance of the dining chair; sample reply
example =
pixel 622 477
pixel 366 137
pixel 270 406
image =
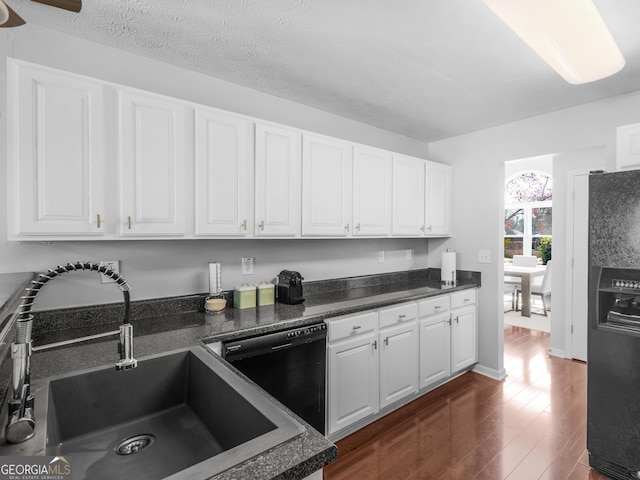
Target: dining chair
pixel 519 261
pixel 539 287
pixel 524 261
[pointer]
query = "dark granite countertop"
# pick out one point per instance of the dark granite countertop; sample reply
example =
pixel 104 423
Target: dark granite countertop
pixel 163 325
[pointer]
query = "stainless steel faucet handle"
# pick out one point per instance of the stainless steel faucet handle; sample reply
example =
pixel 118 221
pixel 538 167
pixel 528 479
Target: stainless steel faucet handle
pixel 127 361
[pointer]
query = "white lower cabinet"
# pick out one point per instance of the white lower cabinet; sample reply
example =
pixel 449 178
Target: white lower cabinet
pixel 464 326
pixel 379 358
pixel 352 369
pixel 398 353
pixel 435 341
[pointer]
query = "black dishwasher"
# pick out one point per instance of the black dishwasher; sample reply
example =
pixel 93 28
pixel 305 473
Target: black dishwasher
pixel 290 365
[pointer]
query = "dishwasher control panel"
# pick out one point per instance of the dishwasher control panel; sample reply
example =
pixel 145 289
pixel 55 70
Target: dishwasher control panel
pixel 306 331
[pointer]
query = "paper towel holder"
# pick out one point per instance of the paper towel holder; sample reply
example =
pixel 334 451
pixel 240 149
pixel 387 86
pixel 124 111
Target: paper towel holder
pixel 448 277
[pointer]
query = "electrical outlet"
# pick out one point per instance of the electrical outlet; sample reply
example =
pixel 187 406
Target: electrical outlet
pixel 484 256
pixel 247 265
pixel 409 254
pixel 114 265
pixel 380 256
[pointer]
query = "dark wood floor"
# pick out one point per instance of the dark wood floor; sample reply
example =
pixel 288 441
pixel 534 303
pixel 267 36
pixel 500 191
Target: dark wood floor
pixel 529 426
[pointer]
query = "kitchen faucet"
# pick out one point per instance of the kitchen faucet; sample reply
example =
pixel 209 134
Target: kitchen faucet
pixel 21 423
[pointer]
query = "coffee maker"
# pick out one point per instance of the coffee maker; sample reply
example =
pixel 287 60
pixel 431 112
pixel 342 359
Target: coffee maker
pixel 290 287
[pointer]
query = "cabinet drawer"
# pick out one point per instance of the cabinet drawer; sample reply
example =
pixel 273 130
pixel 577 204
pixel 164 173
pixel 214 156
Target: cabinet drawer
pixel 468 297
pixel 434 305
pixel 351 326
pixel 401 313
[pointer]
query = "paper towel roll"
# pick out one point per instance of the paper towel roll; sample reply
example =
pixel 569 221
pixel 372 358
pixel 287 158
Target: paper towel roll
pixel 215 278
pixel 448 269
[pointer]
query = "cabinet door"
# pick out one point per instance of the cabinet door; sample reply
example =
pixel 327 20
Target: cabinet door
pixel 628 147
pixel 154 151
pixel 408 196
pixel 464 344
pixel 398 362
pixel 56 147
pixel 438 199
pixel 278 181
pixel 435 349
pixel 372 170
pixel 326 187
pixel 223 182
pixel 353 380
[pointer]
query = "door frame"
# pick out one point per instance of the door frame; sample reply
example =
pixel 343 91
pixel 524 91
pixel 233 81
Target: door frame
pixel 569 259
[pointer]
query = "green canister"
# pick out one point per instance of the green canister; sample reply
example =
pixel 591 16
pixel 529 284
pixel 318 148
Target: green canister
pixel 244 296
pixel 266 293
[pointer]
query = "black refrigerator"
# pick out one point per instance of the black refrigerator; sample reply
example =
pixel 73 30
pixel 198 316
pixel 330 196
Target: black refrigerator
pixel 613 359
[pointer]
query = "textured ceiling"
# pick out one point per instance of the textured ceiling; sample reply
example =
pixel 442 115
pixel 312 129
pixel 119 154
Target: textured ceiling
pixel 427 69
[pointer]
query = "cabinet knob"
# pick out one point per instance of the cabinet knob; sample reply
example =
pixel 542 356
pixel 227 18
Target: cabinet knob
pixel 244 225
pixel 449 321
pixel 375 344
pixel 422 228
pixel 357 327
pixel 346 227
pixel 457 319
pixel 98 220
pixel 467 299
pixel 262 225
pixel 129 222
pixel 429 228
pixel 437 307
pixel 401 316
pixel 386 341
pixel 358 227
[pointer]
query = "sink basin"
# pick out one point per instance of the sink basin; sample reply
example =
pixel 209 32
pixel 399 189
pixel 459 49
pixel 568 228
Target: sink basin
pixel 183 414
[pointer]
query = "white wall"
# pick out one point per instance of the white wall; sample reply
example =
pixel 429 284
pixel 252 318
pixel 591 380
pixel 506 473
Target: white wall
pixel 478 159
pixel 162 268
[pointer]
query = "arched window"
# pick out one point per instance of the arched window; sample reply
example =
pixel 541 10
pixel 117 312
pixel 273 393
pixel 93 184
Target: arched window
pixel 527 219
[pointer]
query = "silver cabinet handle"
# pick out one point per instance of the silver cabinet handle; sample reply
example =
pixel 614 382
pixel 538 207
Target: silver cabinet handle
pixel 99 220
pixel 356 327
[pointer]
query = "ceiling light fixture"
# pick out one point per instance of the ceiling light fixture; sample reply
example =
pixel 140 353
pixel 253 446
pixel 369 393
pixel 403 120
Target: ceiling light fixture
pixel 569 35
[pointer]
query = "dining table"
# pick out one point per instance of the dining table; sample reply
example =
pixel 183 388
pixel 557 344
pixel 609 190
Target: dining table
pixel 525 274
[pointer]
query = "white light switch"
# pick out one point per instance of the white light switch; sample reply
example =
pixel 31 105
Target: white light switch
pixel 484 256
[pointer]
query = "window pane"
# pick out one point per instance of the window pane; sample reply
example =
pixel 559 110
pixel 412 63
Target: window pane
pixel 541 221
pixel 514 221
pixel 512 246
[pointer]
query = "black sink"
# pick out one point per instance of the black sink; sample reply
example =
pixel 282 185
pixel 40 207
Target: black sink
pixel 183 414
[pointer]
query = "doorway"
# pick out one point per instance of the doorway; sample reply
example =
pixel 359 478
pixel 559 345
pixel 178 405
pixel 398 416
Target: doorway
pixel 528 237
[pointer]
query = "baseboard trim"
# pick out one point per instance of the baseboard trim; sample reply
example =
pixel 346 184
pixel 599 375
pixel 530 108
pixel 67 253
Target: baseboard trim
pixel 490 372
pixel 556 352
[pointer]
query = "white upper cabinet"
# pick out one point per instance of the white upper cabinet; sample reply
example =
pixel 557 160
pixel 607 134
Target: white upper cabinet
pixel 55 132
pixel 154 153
pixel 186 170
pixel 223 180
pixel 372 186
pixel 628 147
pixel 278 167
pixel 438 199
pixel 326 186
pixel 408 196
